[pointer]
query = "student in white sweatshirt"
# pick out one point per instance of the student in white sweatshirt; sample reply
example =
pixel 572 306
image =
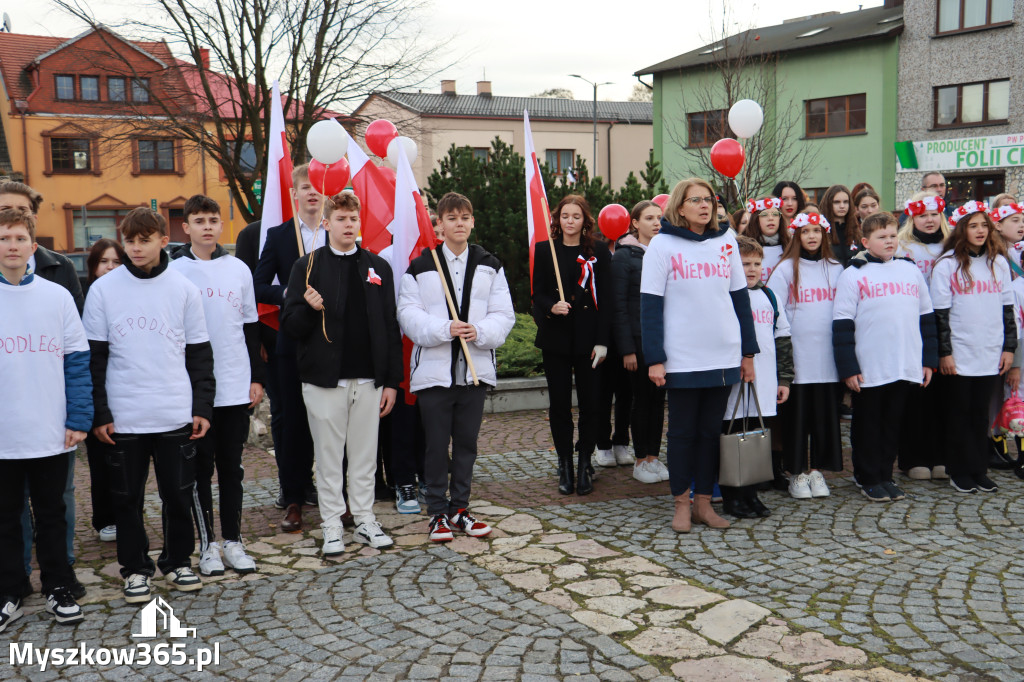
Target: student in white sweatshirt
pixel 973 302
pixel 804 283
pixel 883 335
pixel 920 240
pixel 229 305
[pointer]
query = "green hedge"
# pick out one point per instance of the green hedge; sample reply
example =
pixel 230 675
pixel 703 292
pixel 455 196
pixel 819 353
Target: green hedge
pixel 518 357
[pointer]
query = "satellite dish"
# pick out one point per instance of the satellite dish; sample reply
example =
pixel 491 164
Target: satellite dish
pixel 7 23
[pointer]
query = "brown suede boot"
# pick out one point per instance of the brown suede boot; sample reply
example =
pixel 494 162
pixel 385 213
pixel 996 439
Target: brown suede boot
pixel 704 513
pixel 681 520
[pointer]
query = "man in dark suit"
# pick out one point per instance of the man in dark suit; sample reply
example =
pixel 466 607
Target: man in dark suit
pixel 294 453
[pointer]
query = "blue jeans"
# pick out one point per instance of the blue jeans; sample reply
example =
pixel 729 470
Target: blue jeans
pixel 69 517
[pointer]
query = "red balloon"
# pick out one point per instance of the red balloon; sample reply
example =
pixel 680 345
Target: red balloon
pixel 661 200
pixel 613 221
pixel 379 135
pixel 389 173
pixel 727 157
pixel 329 180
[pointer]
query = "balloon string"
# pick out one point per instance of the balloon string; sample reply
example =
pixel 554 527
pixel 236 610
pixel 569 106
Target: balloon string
pixel 309 263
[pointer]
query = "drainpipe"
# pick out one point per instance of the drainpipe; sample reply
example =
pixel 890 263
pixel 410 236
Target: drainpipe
pixel 608 143
pixel 22 107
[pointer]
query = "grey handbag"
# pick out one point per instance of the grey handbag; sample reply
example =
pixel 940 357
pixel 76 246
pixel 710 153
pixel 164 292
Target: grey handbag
pixel 746 457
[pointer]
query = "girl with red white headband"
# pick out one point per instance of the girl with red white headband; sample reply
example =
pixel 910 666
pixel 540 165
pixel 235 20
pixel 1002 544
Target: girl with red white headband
pixel 974 314
pixel 804 283
pixel 921 453
pixel 767 227
pixel 1009 220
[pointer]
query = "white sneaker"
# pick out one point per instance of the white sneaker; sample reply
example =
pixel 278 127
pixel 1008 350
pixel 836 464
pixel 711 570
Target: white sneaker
pixel 622 456
pixel 137 588
pixel 817 485
pixel 209 562
pixel 605 458
pixel 334 544
pixel 800 487
pixel 236 558
pixel 661 469
pixel 370 533
pixel 644 472
pixel 108 533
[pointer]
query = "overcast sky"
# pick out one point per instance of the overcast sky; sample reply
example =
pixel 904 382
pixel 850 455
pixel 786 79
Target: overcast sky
pixel 531 45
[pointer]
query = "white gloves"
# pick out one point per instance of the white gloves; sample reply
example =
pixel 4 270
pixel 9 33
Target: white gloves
pixel 600 353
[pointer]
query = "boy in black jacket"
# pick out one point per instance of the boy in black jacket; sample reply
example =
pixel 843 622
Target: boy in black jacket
pixel 340 308
pixel 140 316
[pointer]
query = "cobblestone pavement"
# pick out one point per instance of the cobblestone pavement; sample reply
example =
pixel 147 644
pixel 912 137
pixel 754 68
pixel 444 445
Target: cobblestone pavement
pixel 594 587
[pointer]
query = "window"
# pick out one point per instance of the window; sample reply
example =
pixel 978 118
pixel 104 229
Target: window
pixel 972 104
pixel 115 89
pixel 961 15
pixel 90 86
pixel 95 224
pixel 247 160
pixel 707 127
pixel 560 160
pixel 837 115
pixel 65 87
pixel 481 154
pixel 814 194
pixel 156 156
pixel 140 90
pixel 70 155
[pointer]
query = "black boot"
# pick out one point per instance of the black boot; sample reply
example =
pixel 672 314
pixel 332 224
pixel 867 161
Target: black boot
pixel 565 474
pixel 1000 458
pixel 584 475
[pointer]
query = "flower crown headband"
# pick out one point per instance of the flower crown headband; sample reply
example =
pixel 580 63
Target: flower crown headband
pixel 931 203
pixel 1005 211
pixel 804 219
pixel 763 204
pixel 967 209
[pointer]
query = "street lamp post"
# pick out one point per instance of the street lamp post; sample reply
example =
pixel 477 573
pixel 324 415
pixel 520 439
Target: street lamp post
pixel 576 75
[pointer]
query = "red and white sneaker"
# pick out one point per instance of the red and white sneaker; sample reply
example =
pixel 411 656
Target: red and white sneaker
pixel 440 530
pixel 469 525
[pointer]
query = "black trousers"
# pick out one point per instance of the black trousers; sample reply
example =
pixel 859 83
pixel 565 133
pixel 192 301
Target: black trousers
pixel 559 370
pixel 99 483
pixel 295 456
pixel 273 390
pixel 405 443
pixel 694 424
pixel 921 445
pixel 221 449
pixel 174 462
pixel 615 389
pixel 647 413
pixel 450 416
pixel 46 478
pixel 878 415
pixel 966 423
pixel 812 411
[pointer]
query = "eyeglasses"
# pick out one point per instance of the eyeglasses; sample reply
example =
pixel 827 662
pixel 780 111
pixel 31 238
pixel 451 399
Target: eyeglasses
pixel 697 201
pixel 770 214
pixel 937 186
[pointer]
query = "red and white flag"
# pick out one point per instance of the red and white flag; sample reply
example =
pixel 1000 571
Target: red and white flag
pixel 376 196
pixel 277 185
pixel 412 229
pixel 538 215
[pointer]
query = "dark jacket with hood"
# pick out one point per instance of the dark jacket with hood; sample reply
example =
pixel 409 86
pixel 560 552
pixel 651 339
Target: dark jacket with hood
pixel 627 266
pixel 59 269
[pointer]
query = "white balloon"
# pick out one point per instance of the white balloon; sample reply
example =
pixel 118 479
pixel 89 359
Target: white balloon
pixel 327 142
pixel 410 150
pixel 745 118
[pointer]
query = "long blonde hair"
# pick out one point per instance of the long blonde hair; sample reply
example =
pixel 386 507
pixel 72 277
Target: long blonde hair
pixel 906 234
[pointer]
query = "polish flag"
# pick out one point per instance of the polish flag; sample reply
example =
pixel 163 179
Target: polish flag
pixel 538 215
pixel 376 195
pixel 412 229
pixel 277 185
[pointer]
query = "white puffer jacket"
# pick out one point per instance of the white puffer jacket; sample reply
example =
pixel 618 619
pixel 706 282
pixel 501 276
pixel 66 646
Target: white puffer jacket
pixel 424 317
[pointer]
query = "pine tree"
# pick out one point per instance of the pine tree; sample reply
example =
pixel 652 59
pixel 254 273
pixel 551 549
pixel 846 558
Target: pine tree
pixel 653 177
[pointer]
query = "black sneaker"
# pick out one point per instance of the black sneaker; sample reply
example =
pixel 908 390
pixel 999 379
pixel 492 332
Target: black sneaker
pixel 876 493
pixel 10 610
pixel 895 492
pixel 845 412
pixel 985 484
pixel 279 502
pixel 311 498
pixel 999 456
pixel 963 484
pixel 77 589
pixel 63 606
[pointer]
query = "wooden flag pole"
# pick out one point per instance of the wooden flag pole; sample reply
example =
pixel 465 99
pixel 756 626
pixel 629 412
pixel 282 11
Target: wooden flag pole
pixel 554 257
pixel 455 315
pixel 309 263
